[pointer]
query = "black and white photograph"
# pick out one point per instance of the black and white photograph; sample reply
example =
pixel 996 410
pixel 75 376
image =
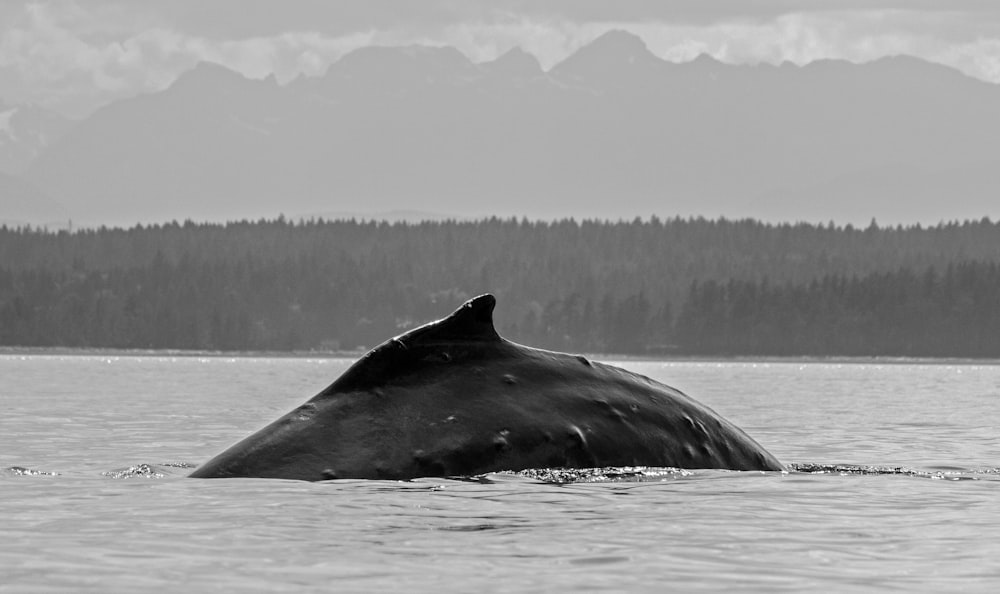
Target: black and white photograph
pixel 499 296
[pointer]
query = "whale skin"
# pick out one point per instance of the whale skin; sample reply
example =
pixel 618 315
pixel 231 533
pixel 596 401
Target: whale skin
pixel 453 398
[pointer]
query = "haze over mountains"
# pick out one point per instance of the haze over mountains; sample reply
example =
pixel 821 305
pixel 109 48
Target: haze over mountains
pixel 611 132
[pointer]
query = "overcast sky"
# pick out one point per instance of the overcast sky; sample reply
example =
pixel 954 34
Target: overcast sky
pixel 74 55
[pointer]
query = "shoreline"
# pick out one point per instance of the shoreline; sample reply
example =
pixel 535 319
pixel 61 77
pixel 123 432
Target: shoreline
pixel 356 354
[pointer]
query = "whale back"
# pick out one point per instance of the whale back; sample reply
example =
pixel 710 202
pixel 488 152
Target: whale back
pixel 452 397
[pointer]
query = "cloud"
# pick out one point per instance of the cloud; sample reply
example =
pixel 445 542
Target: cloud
pixel 979 58
pixel 74 60
pixel 228 19
pixel 75 56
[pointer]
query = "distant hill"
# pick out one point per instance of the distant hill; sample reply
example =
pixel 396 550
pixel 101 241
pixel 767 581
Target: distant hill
pixel 612 132
pixel 22 204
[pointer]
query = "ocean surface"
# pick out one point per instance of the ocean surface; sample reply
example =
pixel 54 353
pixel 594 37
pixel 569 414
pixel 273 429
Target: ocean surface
pixel 897 488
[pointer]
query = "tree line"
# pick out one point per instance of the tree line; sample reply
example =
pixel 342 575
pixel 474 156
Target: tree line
pixel 680 286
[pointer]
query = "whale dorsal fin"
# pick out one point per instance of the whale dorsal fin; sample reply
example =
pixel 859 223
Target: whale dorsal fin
pixel 472 321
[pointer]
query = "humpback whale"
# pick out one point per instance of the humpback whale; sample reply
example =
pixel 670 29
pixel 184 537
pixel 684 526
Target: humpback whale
pixel 454 398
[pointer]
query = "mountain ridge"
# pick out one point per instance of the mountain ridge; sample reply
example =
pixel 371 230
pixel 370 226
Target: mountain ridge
pixel 611 132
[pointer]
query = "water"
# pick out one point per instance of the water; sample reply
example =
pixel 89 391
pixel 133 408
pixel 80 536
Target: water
pixel 932 525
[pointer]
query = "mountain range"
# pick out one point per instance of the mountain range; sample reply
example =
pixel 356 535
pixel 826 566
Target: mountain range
pixel 611 132
pixel 25 132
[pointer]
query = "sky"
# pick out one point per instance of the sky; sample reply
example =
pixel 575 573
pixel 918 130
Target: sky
pixel 75 55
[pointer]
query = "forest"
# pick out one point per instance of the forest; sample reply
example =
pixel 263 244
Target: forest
pixel 676 287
